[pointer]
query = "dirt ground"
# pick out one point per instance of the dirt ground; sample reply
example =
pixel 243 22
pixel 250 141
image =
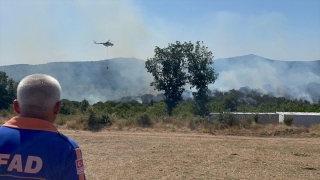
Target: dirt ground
pixel 155 155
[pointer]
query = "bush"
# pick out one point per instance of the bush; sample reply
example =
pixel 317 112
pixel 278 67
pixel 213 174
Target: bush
pixel 246 123
pixel 196 121
pixel 144 120
pixel 227 119
pixel 288 120
pixel 95 122
pixel 60 121
pixel 192 125
pixel 75 124
pixel 4 113
pixel 84 105
pixel 158 111
pixel 106 120
pixel 256 118
pixel 210 128
pixel 175 121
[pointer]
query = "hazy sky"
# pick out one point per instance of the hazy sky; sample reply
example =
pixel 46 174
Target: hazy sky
pixel 40 31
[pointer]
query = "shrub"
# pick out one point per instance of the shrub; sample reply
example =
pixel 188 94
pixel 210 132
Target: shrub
pixel 4 113
pixel 246 123
pixel 84 105
pixel 144 120
pixel 60 121
pixel 174 120
pixel 120 124
pixel 227 119
pixel 158 111
pixel 288 120
pixel 96 122
pixel 315 129
pixel 256 118
pixel 192 125
pixel 218 125
pixel 196 121
pixel 106 120
pixel 209 128
pixel 75 124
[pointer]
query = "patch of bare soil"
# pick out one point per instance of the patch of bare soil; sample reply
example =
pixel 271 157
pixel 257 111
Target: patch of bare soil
pixel 167 155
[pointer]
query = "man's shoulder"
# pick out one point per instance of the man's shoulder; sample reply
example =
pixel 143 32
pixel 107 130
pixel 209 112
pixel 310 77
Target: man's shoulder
pixel 69 140
pixel 53 137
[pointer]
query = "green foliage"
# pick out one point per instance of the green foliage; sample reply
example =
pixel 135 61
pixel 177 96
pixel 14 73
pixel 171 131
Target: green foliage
pixel 151 102
pixel 200 75
pixel 69 107
pixel 84 105
pixel 215 106
pixel 158 111
pixel 122 109
pixel 4 113
pixel 147 98
pixel 60 120
pixel 167 68
pixel 183 109
pixel 253 101
pixel 139 108
pixel 192 125
pixel 103 107
pixel 225 120
pixel 123 106
pixel 230 103
pixel 256 118
pixel 178 64
pixel 8 90
pixel 144 120
pixel 96 121
pixel 288 120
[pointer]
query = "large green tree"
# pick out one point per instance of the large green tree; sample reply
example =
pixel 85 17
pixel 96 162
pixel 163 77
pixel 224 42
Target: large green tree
pixel 8 90
pixel 168 68
pixel 200 74
pixel 178 64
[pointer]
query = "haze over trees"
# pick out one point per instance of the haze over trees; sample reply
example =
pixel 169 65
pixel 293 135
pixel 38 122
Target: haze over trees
pixel 152 109
pixel 178 64
pixel 129 77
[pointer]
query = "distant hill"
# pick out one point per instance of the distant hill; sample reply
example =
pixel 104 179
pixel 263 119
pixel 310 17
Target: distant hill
pixel 128 77
pixel 94 80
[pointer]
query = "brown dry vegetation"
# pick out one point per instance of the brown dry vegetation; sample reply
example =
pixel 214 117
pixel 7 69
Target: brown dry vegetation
pixel 177 149
pixel 166 155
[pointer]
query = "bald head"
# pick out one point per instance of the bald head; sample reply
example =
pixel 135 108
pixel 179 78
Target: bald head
pixel 37 94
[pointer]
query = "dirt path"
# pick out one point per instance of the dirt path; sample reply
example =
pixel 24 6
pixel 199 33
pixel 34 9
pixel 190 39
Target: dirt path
pixel 154 155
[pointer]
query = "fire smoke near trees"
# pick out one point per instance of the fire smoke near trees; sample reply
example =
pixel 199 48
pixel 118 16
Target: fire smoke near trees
pixel 129 77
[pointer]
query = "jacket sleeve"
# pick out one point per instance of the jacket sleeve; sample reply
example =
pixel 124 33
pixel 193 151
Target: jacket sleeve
pixel 74 168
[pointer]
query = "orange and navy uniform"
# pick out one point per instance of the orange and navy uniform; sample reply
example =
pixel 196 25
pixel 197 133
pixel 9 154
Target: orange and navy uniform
pixel 34 149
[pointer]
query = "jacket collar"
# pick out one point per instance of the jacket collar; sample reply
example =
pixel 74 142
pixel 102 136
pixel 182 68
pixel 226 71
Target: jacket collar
pixel 30 123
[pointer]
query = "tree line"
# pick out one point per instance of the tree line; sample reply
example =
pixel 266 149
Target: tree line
pixel 242 100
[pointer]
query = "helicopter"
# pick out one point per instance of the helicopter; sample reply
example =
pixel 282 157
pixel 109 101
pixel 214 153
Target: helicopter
pixel 108 43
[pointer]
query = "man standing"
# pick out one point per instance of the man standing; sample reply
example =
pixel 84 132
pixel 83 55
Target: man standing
pixel 30 145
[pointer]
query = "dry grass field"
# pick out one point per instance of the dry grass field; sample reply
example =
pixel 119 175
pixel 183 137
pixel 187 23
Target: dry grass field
pixel 169 151
pixel 175 155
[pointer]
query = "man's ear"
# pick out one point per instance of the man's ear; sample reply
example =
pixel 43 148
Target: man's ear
pixel 57 107
pixel 16 106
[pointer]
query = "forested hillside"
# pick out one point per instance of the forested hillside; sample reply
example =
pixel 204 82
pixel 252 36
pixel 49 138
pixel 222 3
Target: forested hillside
pixel 120 77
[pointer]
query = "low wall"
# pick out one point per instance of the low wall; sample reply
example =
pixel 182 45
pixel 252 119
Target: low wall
pixel 304 120
pixel 299 118
pixel 263 118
